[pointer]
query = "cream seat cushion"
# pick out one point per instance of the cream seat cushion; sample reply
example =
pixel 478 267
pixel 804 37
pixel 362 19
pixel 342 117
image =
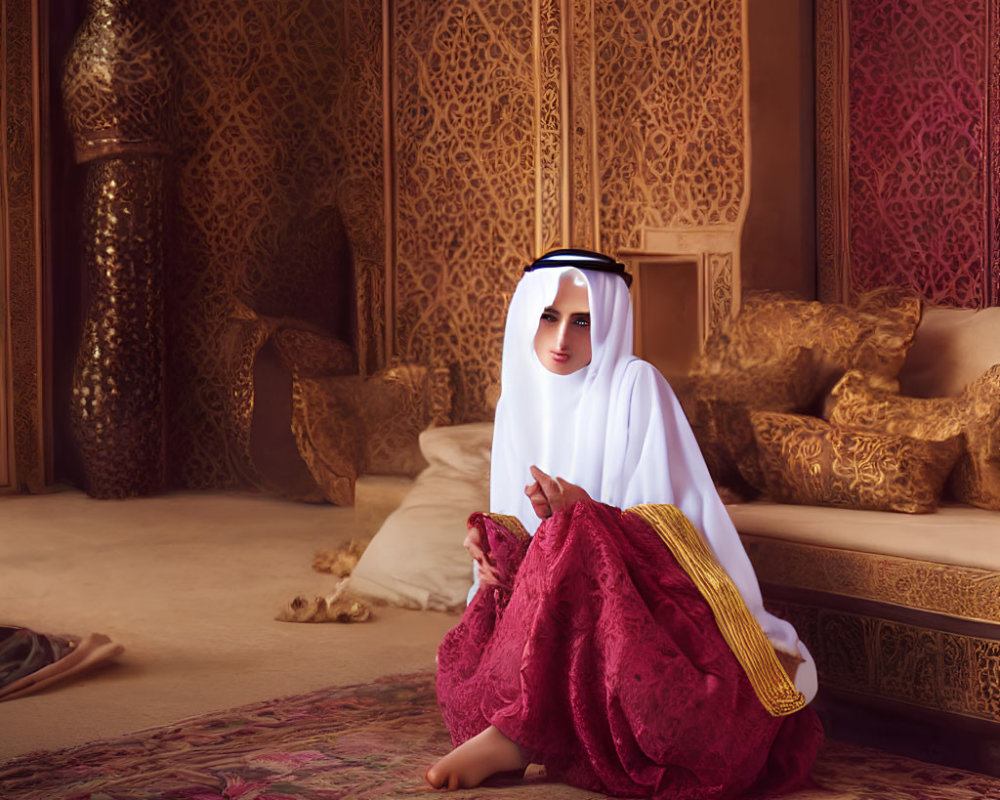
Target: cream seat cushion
pixel 954 534
pixel 417 559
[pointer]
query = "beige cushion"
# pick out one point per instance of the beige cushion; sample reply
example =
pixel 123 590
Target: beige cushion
pixel 953 534
pixel 952 348
pixel 418 558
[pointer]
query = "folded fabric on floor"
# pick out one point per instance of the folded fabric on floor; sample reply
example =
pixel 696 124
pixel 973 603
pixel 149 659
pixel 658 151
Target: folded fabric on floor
pixel 30 661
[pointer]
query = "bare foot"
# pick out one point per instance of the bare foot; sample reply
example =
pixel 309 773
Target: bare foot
pixel 472 762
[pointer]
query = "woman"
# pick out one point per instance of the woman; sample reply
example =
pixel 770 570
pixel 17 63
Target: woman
pixel 628 652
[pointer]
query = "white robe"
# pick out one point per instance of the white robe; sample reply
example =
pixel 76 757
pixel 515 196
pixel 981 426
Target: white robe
pixel 615 428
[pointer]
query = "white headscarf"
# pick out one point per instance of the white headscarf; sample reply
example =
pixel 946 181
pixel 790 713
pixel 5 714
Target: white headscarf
pixel 613 427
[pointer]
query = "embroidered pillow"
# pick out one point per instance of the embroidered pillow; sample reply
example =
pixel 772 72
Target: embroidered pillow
pixel 806 460
pixel 873 336
pixel 718 408
pixel 975 414
pixel 854 402
pixel 976 479
pixel 346 426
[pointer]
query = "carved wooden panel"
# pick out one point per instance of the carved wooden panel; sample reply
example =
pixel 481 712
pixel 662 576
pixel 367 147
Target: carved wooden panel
pixel 583 118
pixel 832 145
pixel 24 456
pixel 551 100
pixel 671 136
pixel 935 669
pixel 963 592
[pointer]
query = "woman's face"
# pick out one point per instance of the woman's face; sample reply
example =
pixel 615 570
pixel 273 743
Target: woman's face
pixel 562 342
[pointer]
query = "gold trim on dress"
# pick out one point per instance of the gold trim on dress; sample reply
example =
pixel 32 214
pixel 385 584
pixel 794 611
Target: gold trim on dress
pixel 738 626
pixel 512 524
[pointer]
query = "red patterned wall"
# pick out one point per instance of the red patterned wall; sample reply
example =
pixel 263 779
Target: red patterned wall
pixel 920 173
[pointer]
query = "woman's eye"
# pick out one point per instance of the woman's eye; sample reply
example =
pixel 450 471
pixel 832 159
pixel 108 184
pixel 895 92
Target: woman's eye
pixel 583 323
pixel 547 317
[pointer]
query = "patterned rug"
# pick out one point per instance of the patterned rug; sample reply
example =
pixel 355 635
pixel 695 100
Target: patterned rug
pixel 373 741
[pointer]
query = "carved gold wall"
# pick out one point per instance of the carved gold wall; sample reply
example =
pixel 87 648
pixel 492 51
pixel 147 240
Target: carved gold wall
pixel 465 158
pixel 575 123
pixel 418 155
pixel 671 131
pixel 279 200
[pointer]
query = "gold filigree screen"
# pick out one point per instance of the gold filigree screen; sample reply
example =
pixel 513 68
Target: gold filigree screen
pixel 671 127
pixel 581 124
pixel 465 158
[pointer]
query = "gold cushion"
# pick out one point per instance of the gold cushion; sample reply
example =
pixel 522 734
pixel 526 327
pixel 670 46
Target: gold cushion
pixel 873 336
pixel 807 460
pixel 976 479
pixel 718 407
pixel 975 413
pixel 346 426
pixel 313 354
pixel 854 402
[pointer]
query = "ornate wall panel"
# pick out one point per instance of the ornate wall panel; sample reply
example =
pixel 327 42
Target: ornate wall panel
pixel 993 146
pixel 720 270
pixel 21 244
pixel 384 187
pixel 832 146
pixel 585 195
pixel 671 137
pixel 550 101
pixel 942 588
pixel 465 182
pixel 279 194
pixel 918 141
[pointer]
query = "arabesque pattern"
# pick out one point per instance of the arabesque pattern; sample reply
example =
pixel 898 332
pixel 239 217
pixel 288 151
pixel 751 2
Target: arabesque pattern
pixel 964 592
pixel 550 166
pixel 671 131
pixel 279 193
pixel 919 168
pixel 465 166
pixel 942 670
pixel 24 293
pixel 584 197
pixel 280 186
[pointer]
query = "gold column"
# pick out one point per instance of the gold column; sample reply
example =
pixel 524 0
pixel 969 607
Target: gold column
pixel 116 89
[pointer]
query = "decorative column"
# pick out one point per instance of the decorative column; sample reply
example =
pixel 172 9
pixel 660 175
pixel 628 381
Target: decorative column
pixel 116 89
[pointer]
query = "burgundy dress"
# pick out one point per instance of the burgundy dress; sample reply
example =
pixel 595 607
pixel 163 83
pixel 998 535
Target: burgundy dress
pixel 601 659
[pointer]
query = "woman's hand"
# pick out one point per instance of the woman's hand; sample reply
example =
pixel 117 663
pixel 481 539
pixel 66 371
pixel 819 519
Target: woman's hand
pixel 487 569
pixel 549 495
